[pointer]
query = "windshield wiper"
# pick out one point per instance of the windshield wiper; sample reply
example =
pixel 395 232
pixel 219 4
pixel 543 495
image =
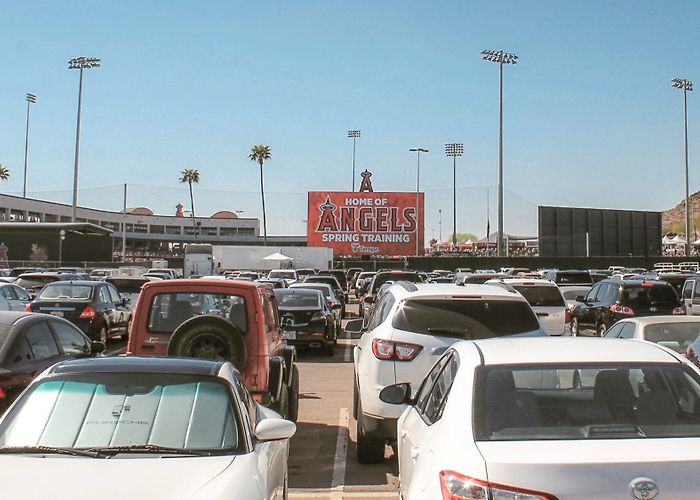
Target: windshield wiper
pixel 152 448
pixel 454 332
pixel 51 449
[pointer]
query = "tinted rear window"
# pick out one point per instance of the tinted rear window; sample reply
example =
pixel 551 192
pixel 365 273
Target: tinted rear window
pixel 65 292
pixel 465 318
pixel 35 281
pixel 379 280
pixel 644 296
pixel 170 310
pixel 544 296
pixel 307 299
pixel 581 278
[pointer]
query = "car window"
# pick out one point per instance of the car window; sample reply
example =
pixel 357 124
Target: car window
pixel 675 336
pixel 465 318
pixel 628 331
pixel 102 296
pixel 266 312
pixel 614 331
pixel 542 296
pixel 688 289
pixel 19 351
pixel 21 293
pixel 113 294
pixel 644 295
pixel 170 310
pixel 41 341
pixel 610 294
pixel 378 313
pixel 427 385
pixel 70 339
pixel 592 293
pixel 434 404
pixel 7 292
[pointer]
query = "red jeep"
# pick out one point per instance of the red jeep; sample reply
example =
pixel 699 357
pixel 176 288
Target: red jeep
pixel 227 320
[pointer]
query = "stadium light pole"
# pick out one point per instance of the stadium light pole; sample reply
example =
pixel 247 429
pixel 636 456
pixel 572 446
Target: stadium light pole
pixel 418 151
pixel 501 58
pixel 454 150
pixel 31 99
pixel 80 63
pixel 353 134
pixel 686 86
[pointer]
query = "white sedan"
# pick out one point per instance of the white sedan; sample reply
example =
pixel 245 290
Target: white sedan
pixel 142 428
pixel 674 332
pixel 509 419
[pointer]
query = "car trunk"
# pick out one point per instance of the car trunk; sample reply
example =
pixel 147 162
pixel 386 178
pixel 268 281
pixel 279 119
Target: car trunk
pixel 602 469
pixel 552 318
pixel 300 316
pixel 69 310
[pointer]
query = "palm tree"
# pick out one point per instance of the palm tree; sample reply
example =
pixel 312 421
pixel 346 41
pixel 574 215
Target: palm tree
pixel 4 172
pixel 190 176
pixel 261 154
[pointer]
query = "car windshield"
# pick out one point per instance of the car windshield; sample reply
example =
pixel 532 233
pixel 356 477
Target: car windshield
pixel 541 295
pixel 606 401
pixel 465 318
pixel 61 291
pixel 676 336
pixel 307 299
pixel 124 409
pixel 170 310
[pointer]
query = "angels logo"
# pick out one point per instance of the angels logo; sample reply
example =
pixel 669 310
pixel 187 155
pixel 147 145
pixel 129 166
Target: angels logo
pixel 327 220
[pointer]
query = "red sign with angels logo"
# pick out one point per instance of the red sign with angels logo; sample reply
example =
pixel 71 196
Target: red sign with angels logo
pixel 366 223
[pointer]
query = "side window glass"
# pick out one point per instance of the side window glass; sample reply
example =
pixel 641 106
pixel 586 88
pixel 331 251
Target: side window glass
pixel 441 388
pixel 696 298
pixel 376 318
pixel 611 294
pixel 591 295
pixel 601 293
pixel 388 304
pixel 114 294
pixel 72 341
pixel 41 341
pixel 614 331
pixel 428 381
pixel 275 310
pixel 101 295
pixel 688 290
pixel 7 293
pixel 264 302
pixel 19 352
pixel 21 293
pixel 627 331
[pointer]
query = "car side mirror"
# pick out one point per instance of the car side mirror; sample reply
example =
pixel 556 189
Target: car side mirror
pixel 126 301
pixel 354 325
pixel 97 347
pixel 274 429
pixel 396 394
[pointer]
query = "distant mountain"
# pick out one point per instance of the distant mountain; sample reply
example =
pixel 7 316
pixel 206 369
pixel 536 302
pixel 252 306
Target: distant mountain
pixel 673 219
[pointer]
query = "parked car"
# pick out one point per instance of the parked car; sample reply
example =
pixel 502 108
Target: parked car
pixel 18 271
pixel 306 319
pixel 676 280
pixel 30 343
pixel 546 300
pixel 340 276
pixel 369 299
pixel 95 307
pixel 690 295
pixel 33 282
pixel 675 332
pixel 569 277
pixel 475 278
pixel 362 278
pixel 614 299
pixel 335 285
pixel 571 292
pixel 128 288
pixel 274 282
pixel 410 328
pixel 289 275
pixel 158 275
pixel 172 273
pixel 13 297
pixel 171 428
pixel 506 420
pixel 331 300
pixel 229 320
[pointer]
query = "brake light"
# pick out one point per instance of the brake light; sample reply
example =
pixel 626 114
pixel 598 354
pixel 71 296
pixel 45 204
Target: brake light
pixel 28 308
pixel 395 351
pixel 455 486
pixel 680 310
pixel 3 394
pixel 620 309
pixel 88 313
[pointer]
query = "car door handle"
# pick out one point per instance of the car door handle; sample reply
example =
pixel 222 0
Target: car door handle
pixel 415 452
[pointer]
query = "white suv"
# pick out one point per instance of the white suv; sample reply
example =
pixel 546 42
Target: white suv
pixel 410 328
pixel 546 300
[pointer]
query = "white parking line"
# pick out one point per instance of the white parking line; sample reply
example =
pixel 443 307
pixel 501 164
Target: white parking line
pixel 315 493
pixel 348 348
pixel 341 452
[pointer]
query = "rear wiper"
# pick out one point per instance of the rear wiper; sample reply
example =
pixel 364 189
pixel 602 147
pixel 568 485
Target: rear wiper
pixel 51 449
pixel 454 332
pixel 614 430
pixel 151 448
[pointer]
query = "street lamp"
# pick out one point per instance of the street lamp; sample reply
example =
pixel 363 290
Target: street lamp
pixel 354 134
pixel 686 86
pixel 454 150
pixel 418 151
pixel 501 58
pixel 80 63
pixel 31 99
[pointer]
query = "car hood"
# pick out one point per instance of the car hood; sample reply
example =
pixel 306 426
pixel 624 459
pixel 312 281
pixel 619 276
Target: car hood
pixel 124 476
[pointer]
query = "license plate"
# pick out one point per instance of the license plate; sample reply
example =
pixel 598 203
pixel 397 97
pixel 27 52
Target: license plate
pixel 57 313
pixel 289 335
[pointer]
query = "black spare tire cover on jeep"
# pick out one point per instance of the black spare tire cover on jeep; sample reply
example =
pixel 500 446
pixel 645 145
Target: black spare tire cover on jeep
pixel 209 337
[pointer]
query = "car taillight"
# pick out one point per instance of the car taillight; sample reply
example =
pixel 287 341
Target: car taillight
pixel 455 486
pixel 28 308
pixel 3 394
pixel 680 310
pixel 620 309
pixel 88 313
pixel 396 351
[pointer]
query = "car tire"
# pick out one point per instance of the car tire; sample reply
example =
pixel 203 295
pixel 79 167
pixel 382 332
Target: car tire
pixel 575 332
pixel 293 397
pixel 370 450
pixel 601 329
pixel 328 349
pixel 209 337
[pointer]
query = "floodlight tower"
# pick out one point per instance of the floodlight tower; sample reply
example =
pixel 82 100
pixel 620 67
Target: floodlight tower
pixel 31 99
pixel 686 86
pixel 454 150
pixel 80 63
pixel 501 58
pixel 353 134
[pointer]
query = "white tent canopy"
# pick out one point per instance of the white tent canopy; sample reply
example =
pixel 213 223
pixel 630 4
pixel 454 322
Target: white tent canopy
pixel 278 257
pixel 678 239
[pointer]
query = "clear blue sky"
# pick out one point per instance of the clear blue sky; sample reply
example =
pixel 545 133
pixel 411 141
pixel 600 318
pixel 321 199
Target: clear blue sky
pixel 591 118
